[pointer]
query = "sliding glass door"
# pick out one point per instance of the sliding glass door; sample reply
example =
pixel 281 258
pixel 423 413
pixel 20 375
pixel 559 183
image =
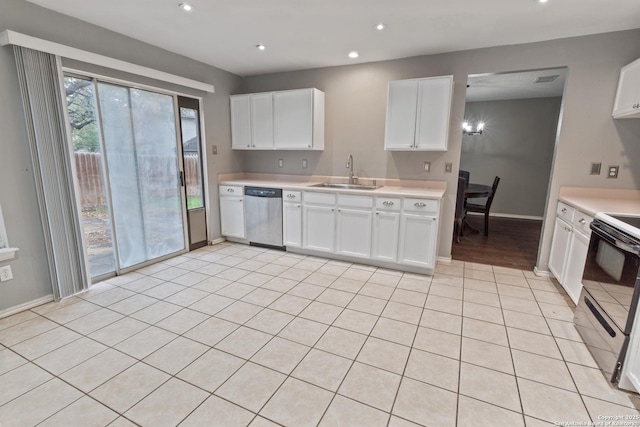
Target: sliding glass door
pixel 137 139
pixel 89 160
pixel 139 132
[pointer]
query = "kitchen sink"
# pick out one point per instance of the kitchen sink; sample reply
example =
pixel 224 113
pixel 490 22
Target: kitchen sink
pixel 346 186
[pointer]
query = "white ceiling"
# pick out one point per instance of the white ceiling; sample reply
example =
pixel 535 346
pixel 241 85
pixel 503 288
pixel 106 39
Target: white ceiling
pixel 303 34
pixel 521 85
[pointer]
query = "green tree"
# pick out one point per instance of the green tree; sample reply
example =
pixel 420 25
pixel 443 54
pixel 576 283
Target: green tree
pixel 82 114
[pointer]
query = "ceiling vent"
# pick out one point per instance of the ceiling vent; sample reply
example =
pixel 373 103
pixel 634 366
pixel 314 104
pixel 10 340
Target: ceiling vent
pixel 546 79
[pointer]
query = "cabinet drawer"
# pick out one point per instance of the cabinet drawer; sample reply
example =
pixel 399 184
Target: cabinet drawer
pixel 420 205
pixel 388 203
pixel 230 190
pixel 291 196
pixel 355 201
pixel 320 198
pixel 581 222
pixel 565 212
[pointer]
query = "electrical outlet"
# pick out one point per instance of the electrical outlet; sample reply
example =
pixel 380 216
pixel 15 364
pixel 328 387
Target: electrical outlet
pixel 427 166
pixel 595 168
pixel 214 149
pixel 280 163
pixel 448 167
pixel 304 163
pixel 613 172
pixel 5 273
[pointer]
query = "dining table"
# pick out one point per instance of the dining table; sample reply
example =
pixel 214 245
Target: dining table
pixel 473 191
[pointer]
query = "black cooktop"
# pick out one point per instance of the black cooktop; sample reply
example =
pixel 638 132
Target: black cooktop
pixel 633 221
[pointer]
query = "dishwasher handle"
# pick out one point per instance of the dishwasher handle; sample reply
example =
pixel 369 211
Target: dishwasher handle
pixel 275 193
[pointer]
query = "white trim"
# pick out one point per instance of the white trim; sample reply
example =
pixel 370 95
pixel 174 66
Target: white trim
pixel 217 241
pixel 541 273
pixel 8 253
pixel 444 259
pixel 8 37
pixel 25 306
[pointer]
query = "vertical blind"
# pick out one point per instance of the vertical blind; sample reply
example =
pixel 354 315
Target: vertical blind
pixel 40 78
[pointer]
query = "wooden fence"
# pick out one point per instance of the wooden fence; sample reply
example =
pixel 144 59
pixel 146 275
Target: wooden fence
pixel 92 191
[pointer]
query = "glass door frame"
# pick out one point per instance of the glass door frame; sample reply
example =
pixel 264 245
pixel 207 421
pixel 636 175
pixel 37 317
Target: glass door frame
pixel 95 79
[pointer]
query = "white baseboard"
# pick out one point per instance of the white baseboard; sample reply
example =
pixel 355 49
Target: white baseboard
pixel 216 241
pixel 505 215
pixel 25 306
pixel 445 259
pixel 541 273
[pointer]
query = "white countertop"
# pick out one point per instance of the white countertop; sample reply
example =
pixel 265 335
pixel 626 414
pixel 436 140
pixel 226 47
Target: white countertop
pixel 427 193
pixel 594 200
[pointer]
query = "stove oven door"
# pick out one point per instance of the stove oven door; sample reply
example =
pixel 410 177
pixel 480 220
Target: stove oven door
pixel 606 342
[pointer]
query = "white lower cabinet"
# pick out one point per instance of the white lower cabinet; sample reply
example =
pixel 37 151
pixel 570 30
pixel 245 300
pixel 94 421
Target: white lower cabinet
pixel 292 224
pixel 417 243
pixel 392 230
pixel 386 230
pixel 569 248
pixel 319 225
pixel 354 232
pixel 559 248
pixel 232 222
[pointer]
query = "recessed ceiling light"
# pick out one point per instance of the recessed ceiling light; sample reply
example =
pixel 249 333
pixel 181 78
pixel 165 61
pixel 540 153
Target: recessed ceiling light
pixel 543 1
pixel 260 47
pixel 380 26
pixel 186 6
pixel 353 54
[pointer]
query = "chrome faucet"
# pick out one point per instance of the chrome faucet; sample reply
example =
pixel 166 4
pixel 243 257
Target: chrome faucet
pixel 352 178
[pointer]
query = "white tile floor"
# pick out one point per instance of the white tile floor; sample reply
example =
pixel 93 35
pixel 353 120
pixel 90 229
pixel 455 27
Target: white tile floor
pixel 233 335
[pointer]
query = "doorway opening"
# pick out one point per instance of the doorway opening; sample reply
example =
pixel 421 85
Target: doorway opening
pixel 511 125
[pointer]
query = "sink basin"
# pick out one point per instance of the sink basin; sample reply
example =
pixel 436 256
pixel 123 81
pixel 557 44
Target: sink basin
pixel 346 186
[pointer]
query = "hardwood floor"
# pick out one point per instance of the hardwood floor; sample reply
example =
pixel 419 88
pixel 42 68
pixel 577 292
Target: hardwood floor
pixel 511 242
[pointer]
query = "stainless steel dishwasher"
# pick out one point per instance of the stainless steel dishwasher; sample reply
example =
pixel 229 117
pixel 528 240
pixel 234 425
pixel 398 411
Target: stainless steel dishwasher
pixel 263 208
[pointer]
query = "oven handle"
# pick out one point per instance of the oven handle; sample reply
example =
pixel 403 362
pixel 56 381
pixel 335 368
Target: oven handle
pixel 633 249
pixel 599 317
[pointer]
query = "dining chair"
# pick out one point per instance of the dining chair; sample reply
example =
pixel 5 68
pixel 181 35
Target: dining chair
pixel 484 208
pixel 459 216
pixel 464 174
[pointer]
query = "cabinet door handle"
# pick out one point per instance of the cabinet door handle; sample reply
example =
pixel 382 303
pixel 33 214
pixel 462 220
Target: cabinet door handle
pixel 568 229
pixel 564 210
pixel 387 203
pixel 582 221
pixel 298 206
pixel 291 196
pixel 231 190
pixel 419 204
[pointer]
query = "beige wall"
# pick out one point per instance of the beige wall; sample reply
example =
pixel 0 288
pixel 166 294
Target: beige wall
pixel 517 145
pixel 355 111
pixel 17 190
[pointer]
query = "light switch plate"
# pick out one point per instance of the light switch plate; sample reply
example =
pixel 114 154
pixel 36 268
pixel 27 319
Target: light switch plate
pixel 595 168
pixel 5 273
pixel 613 172
pixel 448 167
pixel 304 163
pixel 280 163
pixel 214 149
pixel 427 166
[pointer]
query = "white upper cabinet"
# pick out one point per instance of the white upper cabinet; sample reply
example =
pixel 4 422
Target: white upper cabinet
pixel 262 120
pixel 418 113
pixel 402 104
pixel 240 122
pixel 284 120
pixel 627 104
